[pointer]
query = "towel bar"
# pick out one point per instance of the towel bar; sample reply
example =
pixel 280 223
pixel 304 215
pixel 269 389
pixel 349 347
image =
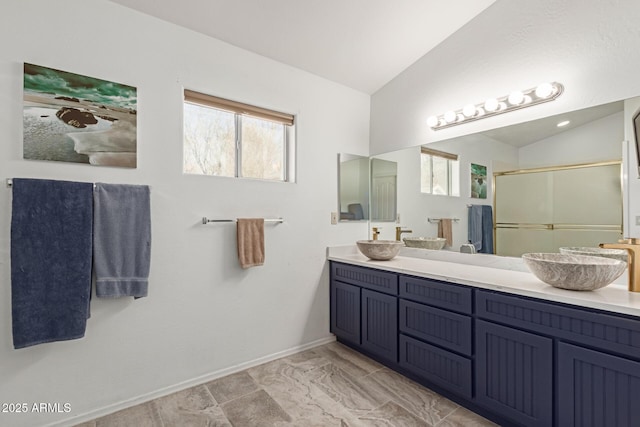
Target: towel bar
pixel 438 219
pixel 206 220
pixel 10 183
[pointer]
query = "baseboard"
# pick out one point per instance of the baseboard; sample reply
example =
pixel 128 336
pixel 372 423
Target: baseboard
pixel 88 416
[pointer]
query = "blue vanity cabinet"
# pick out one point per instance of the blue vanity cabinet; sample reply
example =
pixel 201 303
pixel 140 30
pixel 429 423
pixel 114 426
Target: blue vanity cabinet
pixel 364 309
pixel 597 389
pixel 514 373
pixel 597 357
pixel 521 361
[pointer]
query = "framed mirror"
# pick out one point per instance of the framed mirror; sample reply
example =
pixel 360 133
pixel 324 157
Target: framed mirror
pixel 353 187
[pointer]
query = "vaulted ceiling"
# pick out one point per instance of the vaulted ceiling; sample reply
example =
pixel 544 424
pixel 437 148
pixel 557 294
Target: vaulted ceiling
pixel 362 44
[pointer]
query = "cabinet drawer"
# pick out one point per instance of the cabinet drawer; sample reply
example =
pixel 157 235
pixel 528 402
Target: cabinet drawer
pixel 438 366
pixel 440 294
pixel 376 280
pixel 608 332
pixel 446 329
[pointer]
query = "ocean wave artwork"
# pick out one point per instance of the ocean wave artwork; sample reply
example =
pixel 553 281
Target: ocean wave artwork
pixel 69 117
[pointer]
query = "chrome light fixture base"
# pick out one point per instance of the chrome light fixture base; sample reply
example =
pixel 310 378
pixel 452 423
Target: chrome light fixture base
pixel 544 92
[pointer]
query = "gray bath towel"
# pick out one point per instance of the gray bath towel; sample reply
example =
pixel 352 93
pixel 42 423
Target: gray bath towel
pixel 487 230
pixel 122 240
pixel 475 226
pixel 51 225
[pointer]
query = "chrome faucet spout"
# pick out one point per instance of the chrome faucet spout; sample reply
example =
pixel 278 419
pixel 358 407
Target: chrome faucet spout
pixel 632 246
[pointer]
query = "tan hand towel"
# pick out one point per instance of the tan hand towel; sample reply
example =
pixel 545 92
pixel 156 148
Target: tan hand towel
pixel 445 230
pixel 250 242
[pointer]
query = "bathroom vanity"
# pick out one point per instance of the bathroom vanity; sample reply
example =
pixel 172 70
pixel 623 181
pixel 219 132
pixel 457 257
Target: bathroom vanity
pixel 486 333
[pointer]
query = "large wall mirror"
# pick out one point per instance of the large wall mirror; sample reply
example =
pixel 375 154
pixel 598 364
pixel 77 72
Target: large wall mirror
pixel 593 135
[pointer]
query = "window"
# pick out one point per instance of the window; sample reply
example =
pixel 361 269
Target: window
pixel 227 138
pixel 440 172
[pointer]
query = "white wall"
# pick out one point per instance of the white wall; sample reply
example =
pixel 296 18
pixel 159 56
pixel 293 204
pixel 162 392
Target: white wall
pixel 590 47
pixel 596 141
pixel 204 315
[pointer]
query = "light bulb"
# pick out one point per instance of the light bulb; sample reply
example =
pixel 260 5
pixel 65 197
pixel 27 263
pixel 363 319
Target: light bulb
pixel 544 90
pixel 432 121
pixel 491 104
pixel 450 116
pixel 516 98
pixel 469 110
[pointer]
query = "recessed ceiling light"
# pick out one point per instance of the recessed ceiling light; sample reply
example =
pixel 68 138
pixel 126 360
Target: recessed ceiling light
pixel 564 123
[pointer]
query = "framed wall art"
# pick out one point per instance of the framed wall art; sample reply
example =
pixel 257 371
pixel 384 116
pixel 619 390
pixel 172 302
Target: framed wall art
pixel 70 117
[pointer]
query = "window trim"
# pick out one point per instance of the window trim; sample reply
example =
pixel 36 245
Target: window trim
pixel 444 155
pixel 238 107
pixel 241 109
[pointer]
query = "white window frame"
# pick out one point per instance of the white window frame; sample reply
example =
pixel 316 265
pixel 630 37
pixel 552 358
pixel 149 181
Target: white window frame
pixel 450 158
pixel 241 110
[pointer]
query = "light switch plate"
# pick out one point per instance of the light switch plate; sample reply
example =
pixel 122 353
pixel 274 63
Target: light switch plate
pixel 334 218
pixel 637 219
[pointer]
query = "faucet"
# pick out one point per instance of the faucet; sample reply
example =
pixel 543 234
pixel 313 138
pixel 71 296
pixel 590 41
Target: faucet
pixel 375 232
pixel 632 246
pixel 399 232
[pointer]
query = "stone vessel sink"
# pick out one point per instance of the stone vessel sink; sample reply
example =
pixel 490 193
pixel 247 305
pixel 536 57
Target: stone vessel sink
pixel 435 243
pixel 379 250
pixel 620 254
pixel 574 272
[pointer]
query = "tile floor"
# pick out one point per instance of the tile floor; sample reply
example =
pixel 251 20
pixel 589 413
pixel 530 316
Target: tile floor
pixel 330 385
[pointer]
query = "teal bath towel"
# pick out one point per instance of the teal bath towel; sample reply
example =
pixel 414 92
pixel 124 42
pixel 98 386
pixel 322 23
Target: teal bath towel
pixel 51 226
pixel 122 240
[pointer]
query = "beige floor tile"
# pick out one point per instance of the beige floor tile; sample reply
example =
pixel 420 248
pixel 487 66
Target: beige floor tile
pixel 326 386
pixel 419 400
pixel 255 410
pixel 348 360
pixel 357 395
pixel 287 383
pixel 194 407
pixel 232 386
pixel 392 415
pixel 463 417
pixel 145 415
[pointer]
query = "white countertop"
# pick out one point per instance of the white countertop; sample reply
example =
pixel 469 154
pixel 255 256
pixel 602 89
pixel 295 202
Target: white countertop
pixel 505 274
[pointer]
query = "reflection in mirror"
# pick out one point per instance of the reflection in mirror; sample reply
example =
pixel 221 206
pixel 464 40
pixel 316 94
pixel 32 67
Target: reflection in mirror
pixel 543 210
pixel 593 135
pixel 353 187
pixel 384 175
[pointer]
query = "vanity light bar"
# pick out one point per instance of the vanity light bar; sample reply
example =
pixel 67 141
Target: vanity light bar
pixel 544 92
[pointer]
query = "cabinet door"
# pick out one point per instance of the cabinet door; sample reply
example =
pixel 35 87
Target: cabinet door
pixel 345 311
pixel 596 389
pixel 514 374
pixel 380 324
